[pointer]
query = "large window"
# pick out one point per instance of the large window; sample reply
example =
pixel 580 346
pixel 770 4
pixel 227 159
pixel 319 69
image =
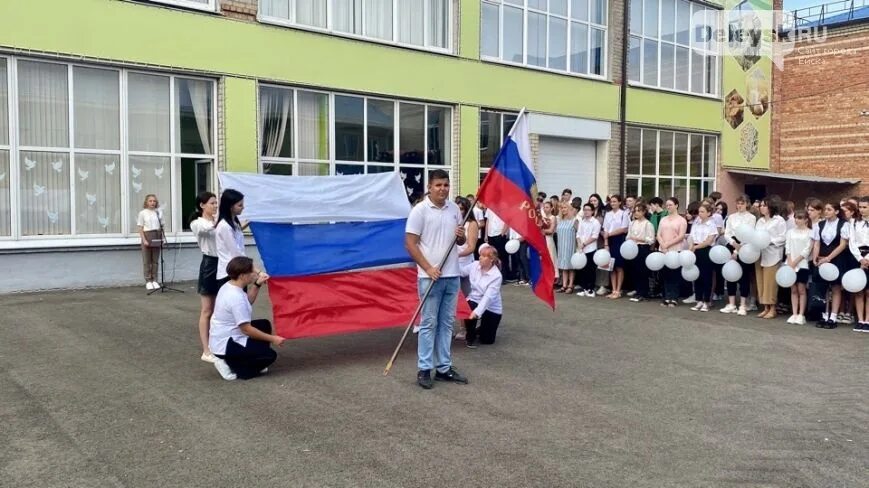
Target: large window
pixel 208 5
pixel 85 144
pixel 667 163
pixel 494 128
pixel 560 35
pixel 304 132
pixel 672 46
pixel 418 23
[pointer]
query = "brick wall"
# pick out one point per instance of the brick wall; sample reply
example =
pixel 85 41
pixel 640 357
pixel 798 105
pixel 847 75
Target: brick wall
pixel 616 37
pixel 615 184
pixel 239 9
pixel 818 98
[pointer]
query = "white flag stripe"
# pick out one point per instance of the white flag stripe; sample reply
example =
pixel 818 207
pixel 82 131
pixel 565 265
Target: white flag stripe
pixel 318 199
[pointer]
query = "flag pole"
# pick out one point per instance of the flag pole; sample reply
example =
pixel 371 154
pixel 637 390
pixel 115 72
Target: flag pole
pixel 467 217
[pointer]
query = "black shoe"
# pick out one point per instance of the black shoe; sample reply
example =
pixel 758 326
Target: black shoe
pixel 451 375
pixel 423 379
pixel 471 345
pixel 831 325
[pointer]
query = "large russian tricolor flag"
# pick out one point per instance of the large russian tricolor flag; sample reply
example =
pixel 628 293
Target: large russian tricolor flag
pixel 510 190
pixel 334 248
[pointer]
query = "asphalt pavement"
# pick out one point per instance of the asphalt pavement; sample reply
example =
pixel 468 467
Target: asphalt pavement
pixel 102 388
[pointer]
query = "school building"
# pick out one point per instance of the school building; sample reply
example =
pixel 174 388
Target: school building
pixel 105 101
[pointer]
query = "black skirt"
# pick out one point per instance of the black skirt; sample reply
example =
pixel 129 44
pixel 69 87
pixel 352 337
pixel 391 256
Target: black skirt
pixel 208 284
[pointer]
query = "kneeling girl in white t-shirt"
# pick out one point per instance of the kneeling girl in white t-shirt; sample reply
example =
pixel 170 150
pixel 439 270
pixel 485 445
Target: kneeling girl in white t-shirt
pixel 485 297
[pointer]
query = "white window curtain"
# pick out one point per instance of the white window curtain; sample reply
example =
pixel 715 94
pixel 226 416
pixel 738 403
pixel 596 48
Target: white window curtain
pixel 96 105
pixel 98 194
pixel 199 92
pixel 150 174
pixel 44 193
pixel 276 108
pixel 276 8
pixel 378 19
pixel 5 195
pixel 438 23
pixel 148 107
pixel 43 109
pixel 411 21
pixel 313 125
pixel 347 16
pixel 311 13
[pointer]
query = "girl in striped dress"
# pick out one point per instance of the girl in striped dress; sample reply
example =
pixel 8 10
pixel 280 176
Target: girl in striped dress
pixel 566 232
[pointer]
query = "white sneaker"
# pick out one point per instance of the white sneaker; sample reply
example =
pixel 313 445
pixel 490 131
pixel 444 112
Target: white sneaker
pixel 689 300
pixel 149 286
pixel 155 285
pixel 800 320
pixel 224 369
pixel 742 312
pixel 631 293
pixel 792 319
pixel 580 293
pixel 602 291
pixel 264 371
pixel 728 309
pixel 208 357
pixel 704 308
pixel 416 329
pixel 752 307
pixel 697 307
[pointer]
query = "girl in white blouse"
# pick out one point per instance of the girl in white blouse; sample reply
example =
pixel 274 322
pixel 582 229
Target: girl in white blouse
pixel 586 242
pixel 151 236
pixel 703 234
pixel 641 232
pixel 229 238
pixel 798 250
pixel 615 229
pixel 770 256
pixel 859 247
pixel 831 237
pixel 741 218
pixel 485 297
pixel 202 225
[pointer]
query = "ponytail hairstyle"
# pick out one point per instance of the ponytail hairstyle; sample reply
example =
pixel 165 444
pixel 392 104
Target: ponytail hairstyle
pixel 228 200
pixel 201 199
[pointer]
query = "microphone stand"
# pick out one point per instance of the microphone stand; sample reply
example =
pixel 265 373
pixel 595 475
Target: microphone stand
pixel 163 288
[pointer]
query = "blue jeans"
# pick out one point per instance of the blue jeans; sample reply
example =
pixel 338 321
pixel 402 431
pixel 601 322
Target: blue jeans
pixel 436 323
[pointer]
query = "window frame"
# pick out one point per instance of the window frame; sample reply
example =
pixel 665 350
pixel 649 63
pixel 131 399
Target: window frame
pixel 710 182
pixel 332 161
pixel 502 134
pixel 691 47
pixel 176 233
pixel 332 31
pixel 591 26
pixel 188 4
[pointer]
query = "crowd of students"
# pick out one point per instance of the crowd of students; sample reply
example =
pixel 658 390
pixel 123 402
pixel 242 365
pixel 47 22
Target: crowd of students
pixel 804 239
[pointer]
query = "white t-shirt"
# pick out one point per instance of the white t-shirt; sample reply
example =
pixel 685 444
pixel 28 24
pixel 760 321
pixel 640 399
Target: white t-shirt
pixel 587 229
pixel 479 216
pixel 436 228
pixel 494 224
pixel 485 289
pixel 203 230
pixel 148 220
pixel 468 259
pixel 229 243
pixel 231 309
pixel 700 231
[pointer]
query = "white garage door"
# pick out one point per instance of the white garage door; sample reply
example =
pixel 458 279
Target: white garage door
pixel 566 163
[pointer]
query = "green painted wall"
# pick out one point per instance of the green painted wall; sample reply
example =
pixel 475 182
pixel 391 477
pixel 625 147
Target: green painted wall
pixel 241 124
pixel 469 151
pixel 662 109
pixel 469 28
pixel 148 34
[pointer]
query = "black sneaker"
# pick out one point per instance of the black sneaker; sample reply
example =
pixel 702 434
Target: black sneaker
pixel 423 379
pixel 451 375
pixel 471 345
pixel 831 324
pixel 858 327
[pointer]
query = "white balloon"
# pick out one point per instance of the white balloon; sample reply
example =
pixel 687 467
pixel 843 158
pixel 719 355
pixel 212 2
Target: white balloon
pixel 760 239
pixel 629 250
pixel 749 254
pixel 655 261
pixel 785 277
pixel 578 260
pixel 602 257
pixel 731 271
pixel 671 259
pixel 854 281
pixel 719 254
pixel 512 246
pixel 829 271
pixel 743 233
pixel 690 273
pixel 687 259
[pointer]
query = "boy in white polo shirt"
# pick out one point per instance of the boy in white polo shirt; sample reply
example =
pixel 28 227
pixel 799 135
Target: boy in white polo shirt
pixel 432 226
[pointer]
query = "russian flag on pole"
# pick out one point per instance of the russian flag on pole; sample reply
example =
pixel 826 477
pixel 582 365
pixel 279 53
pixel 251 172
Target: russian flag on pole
pixel 510 190
pixel 334 248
